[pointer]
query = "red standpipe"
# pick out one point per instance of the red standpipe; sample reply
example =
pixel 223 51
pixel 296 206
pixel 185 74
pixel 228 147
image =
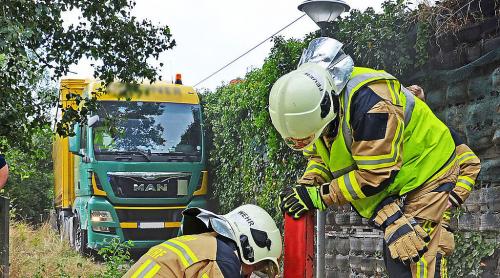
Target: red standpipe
pixel 299 247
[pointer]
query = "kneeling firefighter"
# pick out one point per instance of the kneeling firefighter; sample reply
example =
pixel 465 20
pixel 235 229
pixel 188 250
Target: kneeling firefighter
pixel 236 244
pixel 372 144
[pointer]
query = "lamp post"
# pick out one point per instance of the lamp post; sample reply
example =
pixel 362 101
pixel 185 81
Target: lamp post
pixel 324 12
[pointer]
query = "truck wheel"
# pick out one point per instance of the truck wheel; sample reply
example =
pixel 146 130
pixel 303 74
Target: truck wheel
pixel 80 237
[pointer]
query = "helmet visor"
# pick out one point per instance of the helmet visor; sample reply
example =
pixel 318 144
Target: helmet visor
pixel 299 144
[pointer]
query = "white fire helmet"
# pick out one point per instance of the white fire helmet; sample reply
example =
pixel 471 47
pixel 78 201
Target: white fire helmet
pixel 252 229
pixel 301 105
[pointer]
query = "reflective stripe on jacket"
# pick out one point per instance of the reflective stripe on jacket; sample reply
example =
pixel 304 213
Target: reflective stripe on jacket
pixel 470 165
pixel 203 255
pixel 404 146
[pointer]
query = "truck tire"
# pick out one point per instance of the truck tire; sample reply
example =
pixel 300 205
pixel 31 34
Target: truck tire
pixel 79 237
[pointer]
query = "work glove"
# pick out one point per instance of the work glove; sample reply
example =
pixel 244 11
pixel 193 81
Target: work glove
pixel 404 238
pixel 299 199
pixel 455 199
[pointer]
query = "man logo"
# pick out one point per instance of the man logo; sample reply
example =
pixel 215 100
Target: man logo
pixel 150 187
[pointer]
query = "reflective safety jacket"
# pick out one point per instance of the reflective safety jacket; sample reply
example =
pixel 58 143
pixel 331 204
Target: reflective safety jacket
pixel 387 143
pixel 470 166
pixel 203 255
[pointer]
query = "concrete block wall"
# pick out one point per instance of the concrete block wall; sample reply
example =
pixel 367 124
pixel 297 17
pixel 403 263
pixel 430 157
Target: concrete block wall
pixel 353 249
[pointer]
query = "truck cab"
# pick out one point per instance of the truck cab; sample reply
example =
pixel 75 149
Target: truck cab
pixel 132 168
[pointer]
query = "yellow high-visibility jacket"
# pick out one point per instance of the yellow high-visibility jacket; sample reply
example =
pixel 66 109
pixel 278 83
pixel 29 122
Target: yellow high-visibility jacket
pixel 202 255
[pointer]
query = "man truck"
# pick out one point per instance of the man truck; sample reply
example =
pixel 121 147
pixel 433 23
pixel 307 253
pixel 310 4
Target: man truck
pixel 130 170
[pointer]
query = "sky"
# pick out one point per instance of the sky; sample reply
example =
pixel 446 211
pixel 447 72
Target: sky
pixel 211 33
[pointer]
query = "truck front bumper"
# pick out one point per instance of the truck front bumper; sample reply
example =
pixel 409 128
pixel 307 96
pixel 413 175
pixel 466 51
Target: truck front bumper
pixel 144 227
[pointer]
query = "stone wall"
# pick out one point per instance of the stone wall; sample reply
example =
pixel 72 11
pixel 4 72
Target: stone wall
pixel 464 93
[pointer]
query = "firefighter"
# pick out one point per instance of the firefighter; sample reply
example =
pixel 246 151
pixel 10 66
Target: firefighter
pixel 370 143
pixel 4 171
pixel 236 244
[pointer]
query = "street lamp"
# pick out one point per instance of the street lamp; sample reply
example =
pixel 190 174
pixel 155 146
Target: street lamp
pixel 324 12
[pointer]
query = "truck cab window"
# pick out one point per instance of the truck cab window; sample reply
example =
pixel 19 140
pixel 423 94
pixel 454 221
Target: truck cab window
pixel 161 130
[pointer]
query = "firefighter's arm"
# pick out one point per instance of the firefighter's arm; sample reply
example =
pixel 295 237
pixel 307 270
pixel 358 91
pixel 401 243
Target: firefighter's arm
pixel 470 166
pixel 377 126
pixel 316 173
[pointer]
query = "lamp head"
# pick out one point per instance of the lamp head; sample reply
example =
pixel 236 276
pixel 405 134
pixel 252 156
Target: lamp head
pixel 323 12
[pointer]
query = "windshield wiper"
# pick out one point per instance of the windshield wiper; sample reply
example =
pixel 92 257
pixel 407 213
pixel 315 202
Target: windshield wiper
pixel 146 155
pixel 171 154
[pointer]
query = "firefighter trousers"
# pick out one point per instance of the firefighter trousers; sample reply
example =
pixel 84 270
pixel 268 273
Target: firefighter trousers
pixel 429 207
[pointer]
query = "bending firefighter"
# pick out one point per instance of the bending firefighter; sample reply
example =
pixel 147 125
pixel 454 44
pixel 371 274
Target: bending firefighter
pixel 372 144
pixel 236 244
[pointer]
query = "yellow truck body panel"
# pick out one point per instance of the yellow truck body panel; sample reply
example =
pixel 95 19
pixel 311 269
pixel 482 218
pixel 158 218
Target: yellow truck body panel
pixel 64 162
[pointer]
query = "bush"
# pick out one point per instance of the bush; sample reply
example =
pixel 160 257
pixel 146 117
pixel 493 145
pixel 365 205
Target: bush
pixel 117 259
pixel 30 184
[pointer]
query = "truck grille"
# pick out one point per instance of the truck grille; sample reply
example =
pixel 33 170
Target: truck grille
pixel 149 215
pixel 149 185
pixel 150 234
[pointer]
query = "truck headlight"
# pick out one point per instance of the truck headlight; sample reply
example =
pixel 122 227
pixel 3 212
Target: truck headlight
pixel 100 216
pixel 102 229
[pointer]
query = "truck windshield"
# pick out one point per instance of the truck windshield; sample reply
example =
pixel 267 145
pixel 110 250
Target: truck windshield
pixel 148 129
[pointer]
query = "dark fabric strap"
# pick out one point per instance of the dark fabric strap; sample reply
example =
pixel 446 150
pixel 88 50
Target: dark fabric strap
pixel 445 187
pixel 386 201
pixel 2 161
pixel 455 199
pixel 391 219
pixel 439 263
pixel 401 231
pixel 304 196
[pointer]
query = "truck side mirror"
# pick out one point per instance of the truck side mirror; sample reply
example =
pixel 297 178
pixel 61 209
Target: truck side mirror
pixel 74 141
pixel 93 120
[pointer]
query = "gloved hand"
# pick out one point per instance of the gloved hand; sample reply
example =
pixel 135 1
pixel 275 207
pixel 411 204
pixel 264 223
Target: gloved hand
pixel 405 239
pixel 299 199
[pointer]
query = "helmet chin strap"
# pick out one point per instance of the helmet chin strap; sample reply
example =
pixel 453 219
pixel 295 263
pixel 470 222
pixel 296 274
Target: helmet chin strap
pixel 332 129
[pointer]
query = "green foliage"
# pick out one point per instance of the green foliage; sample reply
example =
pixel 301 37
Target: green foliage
pixel 471 248
pixel 30 185
pixel 116 257
pixel 33 40
pixel 379 40
pixel 249 160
